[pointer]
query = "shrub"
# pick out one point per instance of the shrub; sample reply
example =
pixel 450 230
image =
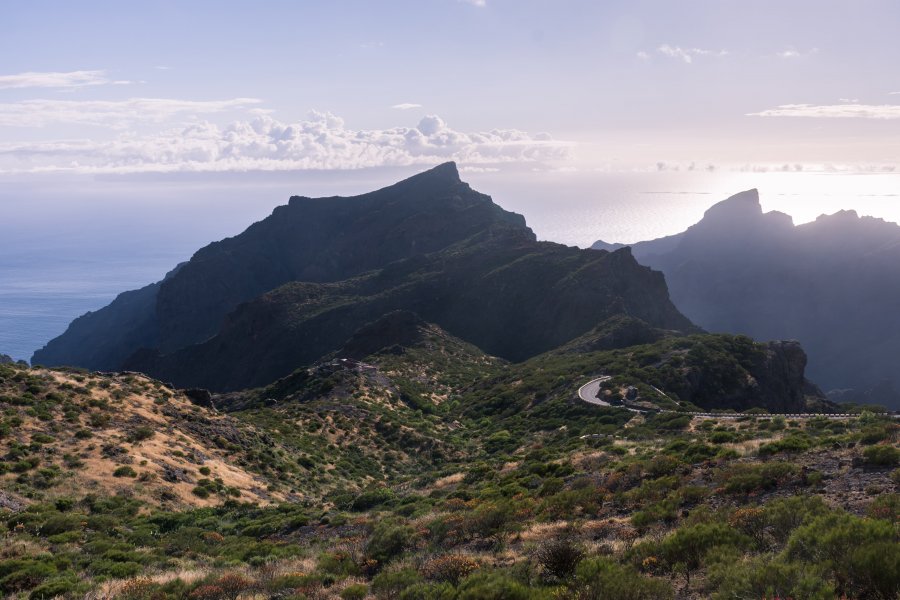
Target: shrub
pixel 881 456
pixel 23 574
pixel 429 591
pixel 67 586
pixel 233 585
pixel 388 540
pixel 493 586
pixel 356 591
pixel 371 498
pixel 124 471
pixel 601 579
pixel 689 545
pixel 559 557
pixel 450 568
pixel 767 577
pixel 388 586
pixel 842 544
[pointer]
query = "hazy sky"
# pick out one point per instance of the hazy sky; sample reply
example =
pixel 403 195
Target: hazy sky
pixel 163 86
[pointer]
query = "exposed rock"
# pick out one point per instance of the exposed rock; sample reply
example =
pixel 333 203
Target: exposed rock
pixel 199 396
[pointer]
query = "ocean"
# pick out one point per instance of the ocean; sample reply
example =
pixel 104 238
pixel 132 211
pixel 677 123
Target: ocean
pixel 70 247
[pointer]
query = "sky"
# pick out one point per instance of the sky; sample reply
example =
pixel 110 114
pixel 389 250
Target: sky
pixel 556 85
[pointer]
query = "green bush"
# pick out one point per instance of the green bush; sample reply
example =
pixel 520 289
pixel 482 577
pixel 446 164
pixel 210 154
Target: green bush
pixel 356 591
pixel 602 579
pixel 881 456
pixel 390 585
pixel 372 498
pixel 124 471
pixel 493 586
pixel 767 577
pixel 388 541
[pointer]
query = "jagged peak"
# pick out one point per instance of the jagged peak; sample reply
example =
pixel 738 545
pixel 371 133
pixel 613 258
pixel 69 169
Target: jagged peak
pixel 841 215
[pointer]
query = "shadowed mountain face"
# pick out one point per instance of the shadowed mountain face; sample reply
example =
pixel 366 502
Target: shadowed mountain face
pixel 295 286
pixel 833 284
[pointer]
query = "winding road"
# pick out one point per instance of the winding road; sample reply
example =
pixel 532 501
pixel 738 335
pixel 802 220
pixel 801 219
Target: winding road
pixel 589 391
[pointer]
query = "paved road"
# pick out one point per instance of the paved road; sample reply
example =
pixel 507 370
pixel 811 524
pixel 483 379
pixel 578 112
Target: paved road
pixel 588 392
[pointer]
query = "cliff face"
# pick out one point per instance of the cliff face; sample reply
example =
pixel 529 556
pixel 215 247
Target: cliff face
pixel 774 380
pixel 736 373
pixel 295 286
pixel 510 296
pixel 833 284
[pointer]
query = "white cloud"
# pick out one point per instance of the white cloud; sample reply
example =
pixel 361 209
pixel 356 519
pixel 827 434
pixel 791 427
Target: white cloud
pixel 893 93
pixel 687 54
pixel 478 3
pixel 406 106
pixel 70 79
pixel 321 142
pixel 833 111
pixel 116 114
pixel 643 55
pixel 791 53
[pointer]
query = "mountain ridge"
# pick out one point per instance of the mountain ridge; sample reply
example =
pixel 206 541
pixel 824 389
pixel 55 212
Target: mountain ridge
pixel 829 283
pixel 293 287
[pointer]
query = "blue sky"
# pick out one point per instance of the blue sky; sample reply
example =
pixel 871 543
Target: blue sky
pixel 112 87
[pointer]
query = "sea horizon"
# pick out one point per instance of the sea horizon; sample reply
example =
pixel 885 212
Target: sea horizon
pixel 85 247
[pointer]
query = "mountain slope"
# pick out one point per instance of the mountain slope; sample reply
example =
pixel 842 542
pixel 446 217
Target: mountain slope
pixel 309 239
pixel 66 432
pixel 833 284
pixel 292 288
pixel 503 292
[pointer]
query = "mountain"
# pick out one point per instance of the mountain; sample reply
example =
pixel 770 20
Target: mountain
pixel 295 286
pixel 833 284
pixel 309 239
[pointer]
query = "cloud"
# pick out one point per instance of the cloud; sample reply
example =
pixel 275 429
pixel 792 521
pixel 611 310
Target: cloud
pixel 791 53
pixel 321 142
pixel 893 93
pixel 687 54
pixel 406 106
pixel 833 111
pixel 643 55
pixel 116 114
pixel 71 79
pixel 478 3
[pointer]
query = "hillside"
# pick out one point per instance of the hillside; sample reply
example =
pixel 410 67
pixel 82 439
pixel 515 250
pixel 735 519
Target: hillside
pixel 66 433
pixel 292 288
pixel 741 270
pixel 426 469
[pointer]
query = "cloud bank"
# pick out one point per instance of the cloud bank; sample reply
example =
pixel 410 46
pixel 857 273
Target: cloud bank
pixel 70 79
pixel 117 114
pixel 321 142
pixel 833 111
